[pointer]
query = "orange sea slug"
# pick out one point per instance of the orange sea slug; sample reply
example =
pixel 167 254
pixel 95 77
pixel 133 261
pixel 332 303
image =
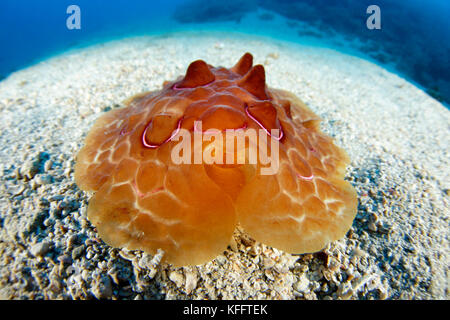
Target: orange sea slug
pixel 143 200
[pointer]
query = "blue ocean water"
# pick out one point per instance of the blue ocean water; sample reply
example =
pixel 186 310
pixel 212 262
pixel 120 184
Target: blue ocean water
pixel 413 39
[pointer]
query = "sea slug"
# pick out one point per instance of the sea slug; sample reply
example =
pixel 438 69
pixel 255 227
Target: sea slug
pixel 145 200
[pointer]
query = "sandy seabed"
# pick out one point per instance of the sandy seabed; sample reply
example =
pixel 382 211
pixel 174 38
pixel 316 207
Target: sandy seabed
pixel 398 139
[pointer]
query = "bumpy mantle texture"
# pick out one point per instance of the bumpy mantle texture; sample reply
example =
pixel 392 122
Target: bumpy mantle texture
pixel 144 201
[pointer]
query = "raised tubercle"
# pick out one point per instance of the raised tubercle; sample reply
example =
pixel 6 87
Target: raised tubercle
pixel 197 74
pixel 254 82
pixel 243 65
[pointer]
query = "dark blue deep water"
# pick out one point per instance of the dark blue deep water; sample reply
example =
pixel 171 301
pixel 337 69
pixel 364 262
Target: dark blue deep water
pixel 414 39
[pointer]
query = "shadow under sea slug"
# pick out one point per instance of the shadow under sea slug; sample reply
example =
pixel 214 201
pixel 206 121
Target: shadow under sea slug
pixel 144 201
